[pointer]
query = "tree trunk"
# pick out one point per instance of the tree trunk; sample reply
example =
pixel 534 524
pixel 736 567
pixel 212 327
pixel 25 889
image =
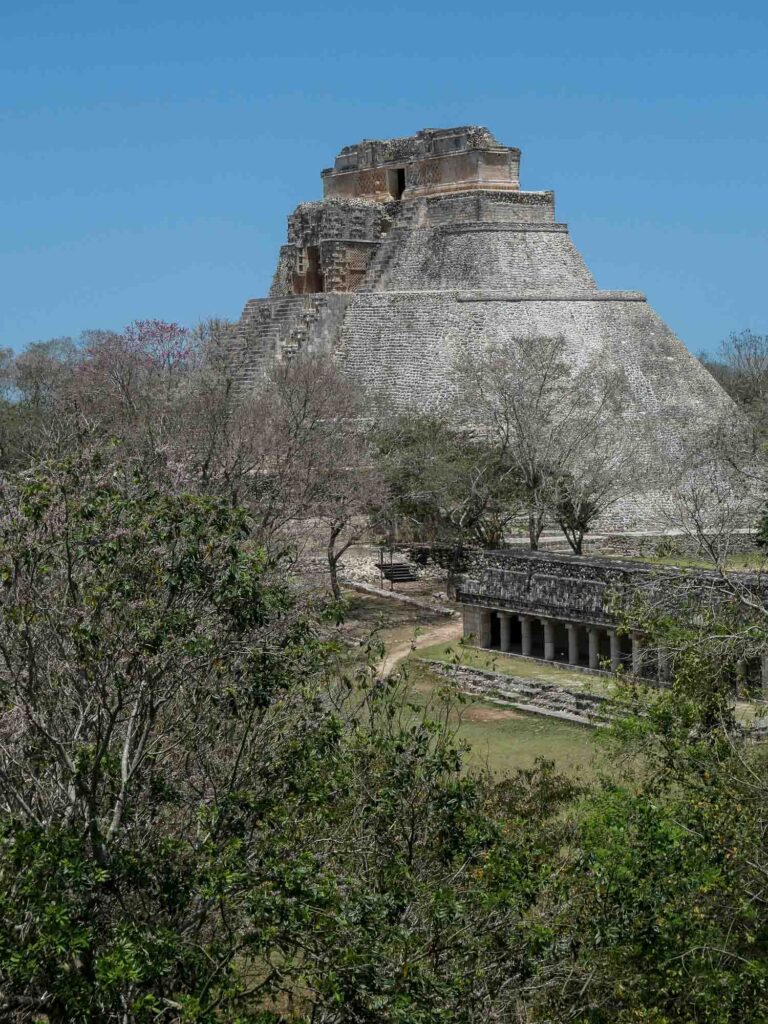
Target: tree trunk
pixel 535 528
pixel 333 561
pixel 533 535
pixel 575 538
pixel 332 567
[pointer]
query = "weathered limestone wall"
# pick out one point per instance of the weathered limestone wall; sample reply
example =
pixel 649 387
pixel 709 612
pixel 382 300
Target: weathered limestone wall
pixel 501 257
pixel 562 588
pixel 428 163
pixel 271 329
pixel 425 244
pixel 330 246
pixel 585 589
pixel 491 207
pixel 527 694
pixel 403 344
pixel 478 625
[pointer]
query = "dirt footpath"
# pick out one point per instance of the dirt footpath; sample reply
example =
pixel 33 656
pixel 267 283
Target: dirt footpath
pixel 400 649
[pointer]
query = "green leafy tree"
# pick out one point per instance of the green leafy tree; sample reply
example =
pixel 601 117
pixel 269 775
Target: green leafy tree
pixel 196 822
pixel 143 645
pixel 450 487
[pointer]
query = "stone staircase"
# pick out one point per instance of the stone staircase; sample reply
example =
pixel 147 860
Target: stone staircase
pixel 272 328
pixel 397 572
pixel 408 218
pixel 525 694
pixel 282 325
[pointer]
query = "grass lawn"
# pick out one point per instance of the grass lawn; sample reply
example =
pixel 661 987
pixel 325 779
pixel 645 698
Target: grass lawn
pixel 504 739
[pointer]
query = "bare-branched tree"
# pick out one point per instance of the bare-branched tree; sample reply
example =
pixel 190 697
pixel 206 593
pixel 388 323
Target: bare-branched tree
pixel 741 367
pixel 554 425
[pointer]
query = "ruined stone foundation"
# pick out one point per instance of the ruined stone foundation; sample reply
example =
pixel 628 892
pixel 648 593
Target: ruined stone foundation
pixel 425 242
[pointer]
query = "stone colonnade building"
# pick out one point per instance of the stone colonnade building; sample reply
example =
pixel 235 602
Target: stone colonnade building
pixel 572 609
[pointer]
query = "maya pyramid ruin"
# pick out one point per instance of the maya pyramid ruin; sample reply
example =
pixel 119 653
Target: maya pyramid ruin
pixel 425 241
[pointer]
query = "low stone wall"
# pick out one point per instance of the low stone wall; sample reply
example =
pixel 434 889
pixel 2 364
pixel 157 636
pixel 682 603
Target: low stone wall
pixel 393 595
pixel 664 545
pixel 525 694
pixel 629 545
pixel 539 698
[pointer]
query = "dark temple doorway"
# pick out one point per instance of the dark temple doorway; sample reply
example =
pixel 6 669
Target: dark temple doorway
pixel 396 182
pixel 314 277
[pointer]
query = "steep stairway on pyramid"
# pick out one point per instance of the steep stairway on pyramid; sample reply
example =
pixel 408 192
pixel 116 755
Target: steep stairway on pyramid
pixel 273 328
pixel 408 217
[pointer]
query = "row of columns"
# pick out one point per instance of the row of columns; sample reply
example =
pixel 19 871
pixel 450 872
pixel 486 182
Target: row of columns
pixel 505 644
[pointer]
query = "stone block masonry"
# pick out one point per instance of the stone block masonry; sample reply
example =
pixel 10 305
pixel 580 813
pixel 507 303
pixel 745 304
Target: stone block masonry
pixel 531 695
pixel 427 242
pixel 573 609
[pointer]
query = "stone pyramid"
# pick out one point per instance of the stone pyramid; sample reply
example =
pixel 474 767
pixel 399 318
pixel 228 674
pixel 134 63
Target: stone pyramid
pixel 426 241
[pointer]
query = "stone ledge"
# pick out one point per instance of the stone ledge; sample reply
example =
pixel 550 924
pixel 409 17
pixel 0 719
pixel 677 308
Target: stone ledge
pixel 494 227
pixel 526 694
pixel 607 296
pixel 561 666
pixel 393 595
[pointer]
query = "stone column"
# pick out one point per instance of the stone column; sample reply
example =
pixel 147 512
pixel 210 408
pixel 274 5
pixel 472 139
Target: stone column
pixel 573 643
pixel 549 640
pixel 594 647
pixel 505 632
pixel 613 636
pixel 477 623
pixel 525 634
pixel 637 653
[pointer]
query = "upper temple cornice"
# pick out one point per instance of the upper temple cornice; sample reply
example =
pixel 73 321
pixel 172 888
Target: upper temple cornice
pixel 431 162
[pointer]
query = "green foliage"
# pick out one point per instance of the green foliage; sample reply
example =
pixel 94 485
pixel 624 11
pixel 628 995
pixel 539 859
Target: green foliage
pixel 663 899
pixel 195 825
pixel 204 819
pixel 142 639
pixel 448 487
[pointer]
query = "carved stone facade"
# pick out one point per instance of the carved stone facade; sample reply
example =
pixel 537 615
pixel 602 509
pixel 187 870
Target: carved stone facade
pixel 428 163
pixel 330 245
pixel 425 243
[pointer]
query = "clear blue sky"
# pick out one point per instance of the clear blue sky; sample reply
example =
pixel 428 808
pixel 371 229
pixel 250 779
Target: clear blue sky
pixel 151 151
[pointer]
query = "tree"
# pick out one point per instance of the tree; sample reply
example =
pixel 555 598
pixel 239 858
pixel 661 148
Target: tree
pixel 132 384
pixel 741 367
pixel 196 823
pixel 34 407
pixel 39 372
pixel 661 912
pixel 547 419
pixel 124 384
pixel 576 500
pixel 449 487
pixel 289 448
pixel 143 645
pixel 352 497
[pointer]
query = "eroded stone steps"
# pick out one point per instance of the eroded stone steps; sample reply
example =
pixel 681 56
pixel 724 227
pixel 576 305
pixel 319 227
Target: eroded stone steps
pixel 527 694
pixel 407 219
pixel 272 328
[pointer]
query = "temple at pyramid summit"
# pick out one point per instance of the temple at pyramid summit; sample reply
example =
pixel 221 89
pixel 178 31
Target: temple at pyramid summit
pixel 425 242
